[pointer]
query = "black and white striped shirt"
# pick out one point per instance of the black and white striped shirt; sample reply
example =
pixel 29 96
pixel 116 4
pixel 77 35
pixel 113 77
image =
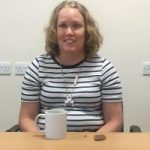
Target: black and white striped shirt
pixel 98 82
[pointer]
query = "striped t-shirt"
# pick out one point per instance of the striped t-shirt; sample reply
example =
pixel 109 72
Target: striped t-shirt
pixel 49 83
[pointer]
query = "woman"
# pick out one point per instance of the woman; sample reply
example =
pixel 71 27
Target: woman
pixel 71 75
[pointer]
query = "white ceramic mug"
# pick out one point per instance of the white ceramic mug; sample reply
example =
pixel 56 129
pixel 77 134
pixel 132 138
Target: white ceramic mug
pixel 55 123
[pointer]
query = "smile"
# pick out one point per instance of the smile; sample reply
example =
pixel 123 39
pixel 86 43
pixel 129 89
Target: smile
pixel 69 41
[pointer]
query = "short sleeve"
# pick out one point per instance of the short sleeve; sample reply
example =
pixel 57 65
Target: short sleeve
pixel 31 83
pixel 111 84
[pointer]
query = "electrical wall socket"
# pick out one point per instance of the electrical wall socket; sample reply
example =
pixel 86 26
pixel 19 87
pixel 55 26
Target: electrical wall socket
pixel 21 67
pixel 146 68
pixel 5 68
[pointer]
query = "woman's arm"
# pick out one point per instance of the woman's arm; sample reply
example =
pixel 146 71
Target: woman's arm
pixel 28 112
pixel 113 117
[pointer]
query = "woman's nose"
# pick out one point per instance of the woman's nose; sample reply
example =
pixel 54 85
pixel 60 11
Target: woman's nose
pixel 69 30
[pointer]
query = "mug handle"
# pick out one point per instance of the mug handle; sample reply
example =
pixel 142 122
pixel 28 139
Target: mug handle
pixel 36 122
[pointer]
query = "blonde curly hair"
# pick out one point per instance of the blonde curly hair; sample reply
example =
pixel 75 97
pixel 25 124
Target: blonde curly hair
pixel 93 37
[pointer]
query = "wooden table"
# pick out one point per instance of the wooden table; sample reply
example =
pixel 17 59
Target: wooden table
pixel 74 141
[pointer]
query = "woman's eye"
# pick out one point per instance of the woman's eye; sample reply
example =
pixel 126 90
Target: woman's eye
pixel 62 26
pixel 76 26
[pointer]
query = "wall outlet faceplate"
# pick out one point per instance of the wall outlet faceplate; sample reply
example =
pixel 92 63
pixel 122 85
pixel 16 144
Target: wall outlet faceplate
pixel 146 68
pixel 5 68
pixel 21 67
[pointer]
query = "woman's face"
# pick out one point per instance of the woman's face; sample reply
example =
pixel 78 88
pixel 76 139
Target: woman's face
pixel 70 31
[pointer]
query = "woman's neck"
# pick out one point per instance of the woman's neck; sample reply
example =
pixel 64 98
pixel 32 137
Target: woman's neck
pixel 71 59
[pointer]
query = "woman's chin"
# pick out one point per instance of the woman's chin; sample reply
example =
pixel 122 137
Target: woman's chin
pixel 70 50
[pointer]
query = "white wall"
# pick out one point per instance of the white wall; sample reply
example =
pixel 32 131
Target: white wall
pixel 125 26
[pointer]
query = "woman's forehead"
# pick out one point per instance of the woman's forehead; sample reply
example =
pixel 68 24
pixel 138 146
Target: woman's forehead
pixel 67 12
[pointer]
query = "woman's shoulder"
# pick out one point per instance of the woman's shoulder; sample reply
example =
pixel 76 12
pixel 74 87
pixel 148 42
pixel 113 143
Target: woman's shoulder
pixel 43 58
pixel 99 61
pixel 98 58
